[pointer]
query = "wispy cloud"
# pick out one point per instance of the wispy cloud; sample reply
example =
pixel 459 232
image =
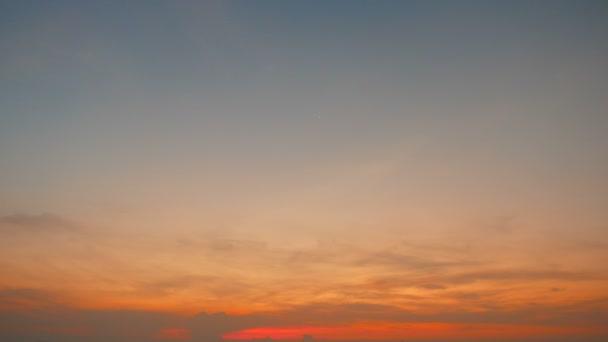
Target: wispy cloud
pixel 29 223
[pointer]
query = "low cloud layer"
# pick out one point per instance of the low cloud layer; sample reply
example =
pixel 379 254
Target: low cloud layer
pixel 63 324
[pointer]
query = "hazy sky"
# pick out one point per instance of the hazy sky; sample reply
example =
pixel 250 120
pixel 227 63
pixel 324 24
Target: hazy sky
pixel 423 170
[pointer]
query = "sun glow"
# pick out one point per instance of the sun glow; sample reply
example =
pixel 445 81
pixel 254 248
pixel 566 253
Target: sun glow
pixel 387 331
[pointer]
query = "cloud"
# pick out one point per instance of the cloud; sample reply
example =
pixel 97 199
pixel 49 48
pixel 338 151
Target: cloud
pixel 207 327
pixel 35 223
pixel 582 313
pixel 455 283
pixel 522 275
pixel 466 295
pixel 404 261
pixel 432 287
pixel 61 324
pixel 24 297
pixel 233 245
pixel 58 324
pixel 215 286
pixel 502 224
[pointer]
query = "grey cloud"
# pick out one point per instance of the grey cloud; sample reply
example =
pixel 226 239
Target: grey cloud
pixel 214 285
pixel 457 247
pixel 208 327
pixel 594 245
pixel 502 224
pixel 432 287
pixel 392 282
pixel 580 313
pixel 24 296
pixel 466 295
pixel 392 259
pixel 60 324
pixel 522 275
pixel 22 293
pixel 424 280
pixel 166 286
pixel 35 223
pixel 126 325
pixel 437 281
pixel 325 252
pixel 113 323
pixel 323 313
pixel 219 247
pixel 233 245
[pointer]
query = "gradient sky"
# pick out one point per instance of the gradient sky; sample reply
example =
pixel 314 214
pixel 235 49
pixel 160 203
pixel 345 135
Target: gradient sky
pixel 413 170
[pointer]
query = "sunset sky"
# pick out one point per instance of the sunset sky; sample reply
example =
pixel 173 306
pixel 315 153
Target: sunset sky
pixel 348 170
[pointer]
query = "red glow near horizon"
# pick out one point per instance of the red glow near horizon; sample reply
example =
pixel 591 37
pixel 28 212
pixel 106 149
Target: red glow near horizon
pixel 357 331
pixel 283 333
pixel 388 331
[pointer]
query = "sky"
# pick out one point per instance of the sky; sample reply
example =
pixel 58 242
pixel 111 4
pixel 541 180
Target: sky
pixel 329 170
